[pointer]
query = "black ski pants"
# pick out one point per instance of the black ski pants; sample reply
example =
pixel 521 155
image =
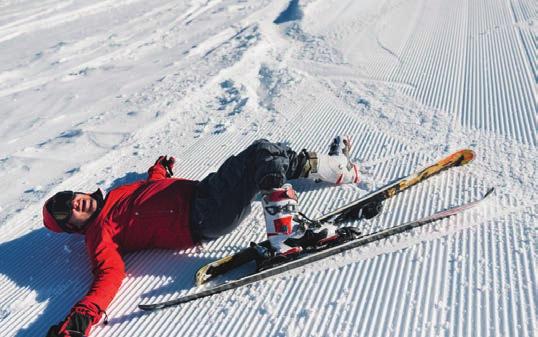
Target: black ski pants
pixel 223 199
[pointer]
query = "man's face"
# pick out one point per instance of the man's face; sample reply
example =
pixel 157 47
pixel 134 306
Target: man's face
pixel 83 207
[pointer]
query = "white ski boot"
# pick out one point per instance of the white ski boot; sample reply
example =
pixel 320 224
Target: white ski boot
pixel 280 206
pixel 335 167
pixel 289 232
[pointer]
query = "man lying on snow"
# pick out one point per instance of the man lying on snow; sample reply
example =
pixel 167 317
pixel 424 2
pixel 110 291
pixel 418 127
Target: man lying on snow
pixel 165 212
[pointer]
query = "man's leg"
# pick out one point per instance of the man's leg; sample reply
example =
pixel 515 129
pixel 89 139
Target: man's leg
pixel 223 199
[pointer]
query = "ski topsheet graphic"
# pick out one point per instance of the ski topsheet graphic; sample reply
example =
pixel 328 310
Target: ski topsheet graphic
pixel 351 211
pixel 301 261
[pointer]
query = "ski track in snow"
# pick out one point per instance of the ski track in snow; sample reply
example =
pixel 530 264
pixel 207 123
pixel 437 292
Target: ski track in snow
pixel 92 92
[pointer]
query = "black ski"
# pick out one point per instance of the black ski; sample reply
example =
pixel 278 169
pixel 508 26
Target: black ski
pixel 301 261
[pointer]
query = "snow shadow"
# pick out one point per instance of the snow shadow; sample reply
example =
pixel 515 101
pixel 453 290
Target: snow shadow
pixel 183 277
pixel 182 283
pixel 177 268
pixel 291 13
pixel 53 268
pixel 128 178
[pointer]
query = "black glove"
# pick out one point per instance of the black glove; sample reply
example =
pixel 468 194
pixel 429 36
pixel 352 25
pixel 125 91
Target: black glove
pixel 167 163
pixel 54 332
pixel 77 324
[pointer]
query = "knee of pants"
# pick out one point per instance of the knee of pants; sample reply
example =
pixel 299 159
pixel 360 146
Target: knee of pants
pixel 261 145
pixel 268 158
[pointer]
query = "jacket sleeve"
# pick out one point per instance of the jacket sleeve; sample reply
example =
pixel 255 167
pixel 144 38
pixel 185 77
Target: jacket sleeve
pixel 109 272
pixel 156 172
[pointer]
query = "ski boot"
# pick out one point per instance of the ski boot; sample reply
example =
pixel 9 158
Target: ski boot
pixel 280 209
pixel 335 167
pixel 289 232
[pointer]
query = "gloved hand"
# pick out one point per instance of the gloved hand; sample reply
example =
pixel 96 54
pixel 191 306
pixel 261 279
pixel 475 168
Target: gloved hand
pixel 167 163
pixel 77 324
pixel 54 331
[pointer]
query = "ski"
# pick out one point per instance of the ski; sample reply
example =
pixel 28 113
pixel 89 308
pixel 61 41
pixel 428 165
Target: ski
pixel 309 258
pixel 351 211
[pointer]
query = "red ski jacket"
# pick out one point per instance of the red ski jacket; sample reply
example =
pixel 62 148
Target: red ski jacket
pixel 142 215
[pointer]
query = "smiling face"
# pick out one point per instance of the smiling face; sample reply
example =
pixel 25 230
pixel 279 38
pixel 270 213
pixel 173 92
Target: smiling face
pixel 83 207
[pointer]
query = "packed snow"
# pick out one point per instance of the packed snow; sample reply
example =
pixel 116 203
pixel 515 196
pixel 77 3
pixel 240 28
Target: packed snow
pixel 92 92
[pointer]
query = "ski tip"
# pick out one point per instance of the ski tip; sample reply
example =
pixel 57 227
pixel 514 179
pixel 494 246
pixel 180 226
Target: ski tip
pixel 201 275
pixel 488 192
pixel 458 158
pixel 466 156
pixel 148 307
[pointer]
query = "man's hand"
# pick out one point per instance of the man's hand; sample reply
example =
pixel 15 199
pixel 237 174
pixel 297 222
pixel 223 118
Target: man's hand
pixel 54 331
pixel 167 163
pixel 77 324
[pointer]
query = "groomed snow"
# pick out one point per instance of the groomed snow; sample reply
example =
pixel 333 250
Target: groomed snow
pixel 92 92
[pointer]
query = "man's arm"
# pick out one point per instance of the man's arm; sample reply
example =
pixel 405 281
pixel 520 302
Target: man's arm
pixel 109 271
pixel 162 168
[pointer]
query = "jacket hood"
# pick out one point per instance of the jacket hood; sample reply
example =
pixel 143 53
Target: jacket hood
pixel 49 222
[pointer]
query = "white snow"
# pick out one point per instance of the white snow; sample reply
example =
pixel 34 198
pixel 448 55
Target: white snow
pixel 91 92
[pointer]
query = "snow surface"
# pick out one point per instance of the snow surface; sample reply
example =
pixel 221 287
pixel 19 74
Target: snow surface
pixel 91 92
